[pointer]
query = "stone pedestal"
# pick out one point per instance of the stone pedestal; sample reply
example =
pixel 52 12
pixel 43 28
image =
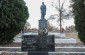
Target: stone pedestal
pixel 43 33
pixel 43 26
pixel 43 23
pixel 34 43
pixel 42 41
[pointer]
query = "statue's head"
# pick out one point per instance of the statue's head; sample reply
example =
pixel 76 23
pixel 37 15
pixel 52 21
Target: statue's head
pixel 43 3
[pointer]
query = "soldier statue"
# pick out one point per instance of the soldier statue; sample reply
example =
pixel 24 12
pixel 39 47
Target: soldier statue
pixel 43 10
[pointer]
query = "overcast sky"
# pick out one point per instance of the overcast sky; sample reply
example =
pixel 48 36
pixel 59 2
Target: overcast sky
pixel 35 15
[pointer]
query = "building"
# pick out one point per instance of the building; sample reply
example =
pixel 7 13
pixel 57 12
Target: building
pixel 27 26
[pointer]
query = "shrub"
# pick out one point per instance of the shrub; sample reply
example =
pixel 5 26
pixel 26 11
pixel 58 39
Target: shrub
pixel 13 16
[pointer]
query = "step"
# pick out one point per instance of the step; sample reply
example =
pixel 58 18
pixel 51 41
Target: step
pixel 57 49
pixel 65 40
pixel 69 49
pixel 43 53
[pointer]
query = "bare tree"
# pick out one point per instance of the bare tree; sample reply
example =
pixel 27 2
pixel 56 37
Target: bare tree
pixel 62 13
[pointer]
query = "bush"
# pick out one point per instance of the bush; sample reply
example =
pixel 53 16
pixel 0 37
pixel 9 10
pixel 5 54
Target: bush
pixel 79 17
pixel 13 16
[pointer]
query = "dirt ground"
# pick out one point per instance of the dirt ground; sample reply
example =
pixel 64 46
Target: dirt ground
pixel 73 35
pixel 11 45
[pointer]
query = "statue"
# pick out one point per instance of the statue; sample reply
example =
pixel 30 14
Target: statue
pixel 43 10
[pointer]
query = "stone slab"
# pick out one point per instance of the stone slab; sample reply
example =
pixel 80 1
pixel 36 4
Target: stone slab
pixel 65 40
pixel 48 53
pixel 30 43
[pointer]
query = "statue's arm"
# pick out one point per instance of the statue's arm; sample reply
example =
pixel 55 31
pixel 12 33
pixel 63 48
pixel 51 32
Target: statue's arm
pixel 41 7
pixel 45 10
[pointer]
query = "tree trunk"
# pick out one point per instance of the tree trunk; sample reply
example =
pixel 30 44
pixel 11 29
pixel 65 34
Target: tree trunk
pixel 60 16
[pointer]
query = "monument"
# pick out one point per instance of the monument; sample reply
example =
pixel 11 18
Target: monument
pixel 40 41
pixel 42 32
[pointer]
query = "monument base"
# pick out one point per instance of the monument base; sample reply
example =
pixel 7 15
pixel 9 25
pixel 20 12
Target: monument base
pixel 30 43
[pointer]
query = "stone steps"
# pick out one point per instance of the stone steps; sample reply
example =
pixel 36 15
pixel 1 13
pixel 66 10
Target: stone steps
pixel 11 49
pixel 69 49
pixel 57 49
pixel 43 53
